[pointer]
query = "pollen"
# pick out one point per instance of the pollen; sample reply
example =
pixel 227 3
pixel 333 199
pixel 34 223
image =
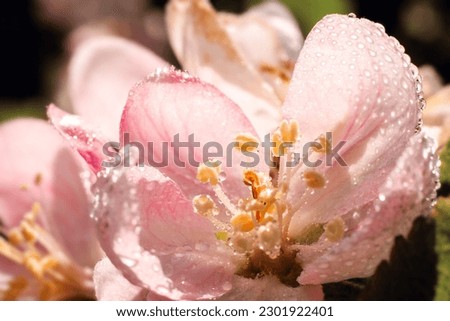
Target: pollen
pixel 246 142
pixel 325 145
pixel 204 205
pixel 335 229
pixel 54 274
pixel 313 179
pixel 208 174
pixel 38 179
pixel 242 222
pixel 284 137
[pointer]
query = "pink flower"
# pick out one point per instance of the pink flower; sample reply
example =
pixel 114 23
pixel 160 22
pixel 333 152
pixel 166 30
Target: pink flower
pixel 199 232
pixel 47 240
pixel 48 245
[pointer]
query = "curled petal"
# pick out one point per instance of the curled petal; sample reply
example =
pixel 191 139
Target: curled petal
pixel 408 193
pixel 101 73
pixel 149 231
pixel 81 136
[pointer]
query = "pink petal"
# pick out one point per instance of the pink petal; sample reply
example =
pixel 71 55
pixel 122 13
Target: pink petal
pixel 101 73
pixel 149 231
pixel 269 288
pixel 408 193
pixel 204 48
pixel 49 173
pixel 172 103
pixel 274 55
pixel 353 80
pixel 111 285
pixel 85 140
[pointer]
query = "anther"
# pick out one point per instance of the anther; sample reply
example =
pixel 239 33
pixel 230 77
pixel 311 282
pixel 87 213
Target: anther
pixel 242 222
pixel 206 174
pixel 313 179
pixel 204 205
pixel 335 229
pixel 246 142
pixel 325 145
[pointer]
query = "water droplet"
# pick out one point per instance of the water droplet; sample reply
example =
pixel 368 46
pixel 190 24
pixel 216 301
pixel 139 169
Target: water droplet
pixel 382 197
pixel 128 261
pixel 387 58
pixel 227 286
pixel 351 15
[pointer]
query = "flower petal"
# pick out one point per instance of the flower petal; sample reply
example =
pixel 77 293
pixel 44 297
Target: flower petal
pixel 171 104
pixel 149 231
pixel 203 46
pixel 269 288
pixel 408 193
pixel 275 54
pixel 354 81
pixel 351 75
pixel 88 143
pixel 111 285
pixel 47 172
pixel 101 73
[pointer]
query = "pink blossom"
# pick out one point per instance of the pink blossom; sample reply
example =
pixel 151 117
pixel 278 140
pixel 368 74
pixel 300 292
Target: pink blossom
pixel 259 233
pixel 47 243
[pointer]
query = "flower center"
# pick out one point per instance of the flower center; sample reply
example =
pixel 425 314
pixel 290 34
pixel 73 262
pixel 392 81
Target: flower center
pixel 260 222
pixel 47 270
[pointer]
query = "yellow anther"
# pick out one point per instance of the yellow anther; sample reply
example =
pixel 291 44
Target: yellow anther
pixel 24 187
pixel 15 237
pixel 38 179
pixel 335 229
pixel 277 149
pixel 15 288
pixel 246 142
pixel 206 174
pixel 49 262
pixel 28 233
pixel 204 205
pixel 36 208
pixel 313 179
pixel 252 179
pixel 289 131
pixel 325 145
pixel 242 222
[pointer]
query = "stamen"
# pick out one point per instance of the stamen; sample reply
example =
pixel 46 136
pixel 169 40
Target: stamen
pixel 335 229
pixel 325 145
pixel 204 205
pixel 56 275
pixel 242 222
pixel 38 179
pixel 284 137
pixel 313 179
pixel 246 142
pixel 207 174
pixel 15 288
pixel 289 131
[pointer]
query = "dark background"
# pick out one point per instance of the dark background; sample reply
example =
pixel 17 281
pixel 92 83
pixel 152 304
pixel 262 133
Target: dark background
pixel 422 26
